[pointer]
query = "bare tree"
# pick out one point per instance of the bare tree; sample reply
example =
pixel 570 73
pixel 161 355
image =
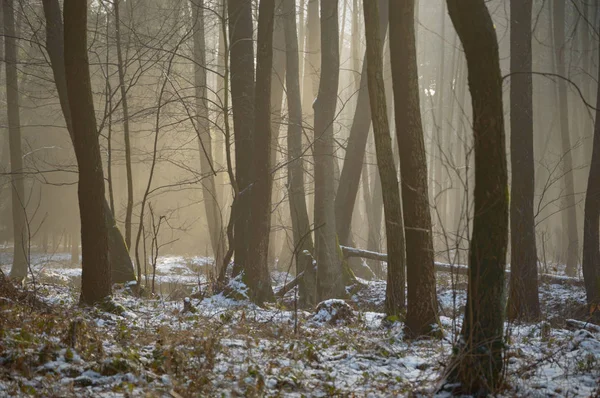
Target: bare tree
pixel 394 227
pixel 242 100
pixel 357 141
pixel 95 278
pixel 569 214
pixel 478 363
pixel 523 302
pixel 18 270
pixel 121 265
pixel 209 190
pixel 126 135
pixel 421 317
pixel 298 211
pixel 591 221
pixel 256 271
pixel 330 271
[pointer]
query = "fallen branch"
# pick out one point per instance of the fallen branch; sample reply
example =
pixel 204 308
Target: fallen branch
pixel 290 285
pixel 575 324
pixel 457 269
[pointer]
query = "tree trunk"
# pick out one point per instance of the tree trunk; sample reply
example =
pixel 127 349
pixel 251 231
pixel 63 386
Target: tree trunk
pixel 478 363
pixel 121 73
pixel 330 275
pixel 355 150
pixel 298 211
pixel 18 270
pixel 312 59
pixel 242 103
pixel 392 207
pixel 570 210
pixel 523 302
pixel 256 268
pixel 95 278
pixel 375 216
pixel 120 262
pixel 209 190
pixel 421 317
pixel 591 221
pixel 354 44
pixel 277 83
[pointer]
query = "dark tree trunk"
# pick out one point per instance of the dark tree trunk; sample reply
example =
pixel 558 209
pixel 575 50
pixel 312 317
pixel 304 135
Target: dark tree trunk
pixel 421 316
pixel 241 71
pixel 479 362
pixel 18 270
pixel 357 142
pixel 298 211
pixel 95 278
pixel 392 207
pixel 591 222
pixel 209 189
pixel 570 215
pixel 256 269
pixel 523 301
pixel 121 73
pixel 120 261
pixel 330 274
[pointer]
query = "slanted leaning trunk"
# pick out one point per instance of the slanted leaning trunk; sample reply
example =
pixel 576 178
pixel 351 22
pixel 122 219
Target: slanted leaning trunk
pixel 121 265
pixel 95 277
pixel 355 149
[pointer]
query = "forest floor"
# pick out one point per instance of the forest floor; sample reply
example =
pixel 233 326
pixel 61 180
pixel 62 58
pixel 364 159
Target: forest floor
pixel 226 347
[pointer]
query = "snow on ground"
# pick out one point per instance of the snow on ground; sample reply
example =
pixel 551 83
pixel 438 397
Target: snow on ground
pixel 234 348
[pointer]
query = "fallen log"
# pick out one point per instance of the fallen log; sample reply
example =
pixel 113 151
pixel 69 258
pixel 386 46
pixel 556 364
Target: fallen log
pixel 458 268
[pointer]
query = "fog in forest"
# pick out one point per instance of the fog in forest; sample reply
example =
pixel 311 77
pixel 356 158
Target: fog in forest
pixel 328 141
pixel 156 45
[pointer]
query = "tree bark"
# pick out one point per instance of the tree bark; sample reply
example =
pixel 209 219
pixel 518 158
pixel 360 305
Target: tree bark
pixel 591 221
pixel 523 302
pixel 330 275
pixel 95 278
pixel 18 270
pixel 478 363
pixel 241 71
pixel 209 189
pixel 256 269
pixel 298 210
pixel 421 316
pixel 392 207
pixel 121 266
